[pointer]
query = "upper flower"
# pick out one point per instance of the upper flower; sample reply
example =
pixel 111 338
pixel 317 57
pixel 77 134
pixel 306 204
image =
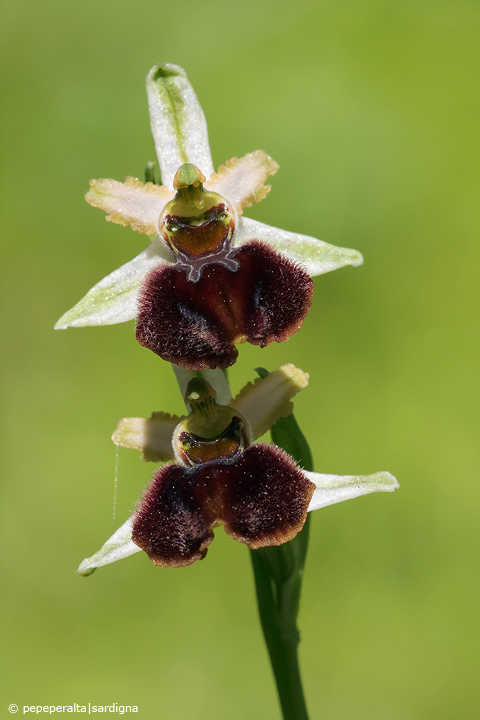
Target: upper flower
pixel 194 312
pixel 234 279
pixel 219 476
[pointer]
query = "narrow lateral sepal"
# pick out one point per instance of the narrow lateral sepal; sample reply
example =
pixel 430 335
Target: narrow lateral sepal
pixel 333 489
pixel 114 299
pixel 316 256
pixel 119 546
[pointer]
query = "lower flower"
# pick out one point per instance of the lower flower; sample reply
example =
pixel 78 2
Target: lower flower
pixel 256 491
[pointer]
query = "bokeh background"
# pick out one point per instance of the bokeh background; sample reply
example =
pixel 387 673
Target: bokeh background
pixel 371 108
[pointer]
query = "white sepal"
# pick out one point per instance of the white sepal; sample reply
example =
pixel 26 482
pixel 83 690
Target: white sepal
pixel 316 256
pixel 114 299
pixel 119 546
pixel 333 489
pixel 178 124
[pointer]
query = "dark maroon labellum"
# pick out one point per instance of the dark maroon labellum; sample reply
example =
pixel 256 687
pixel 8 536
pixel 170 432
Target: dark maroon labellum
pixel 197 324
pixel 261 497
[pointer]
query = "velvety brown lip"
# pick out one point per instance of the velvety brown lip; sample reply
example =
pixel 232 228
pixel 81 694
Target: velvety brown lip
pixel 261 497
pixel 196 324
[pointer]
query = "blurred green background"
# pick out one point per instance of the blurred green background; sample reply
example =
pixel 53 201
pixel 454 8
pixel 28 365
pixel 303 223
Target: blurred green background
pixel 371 109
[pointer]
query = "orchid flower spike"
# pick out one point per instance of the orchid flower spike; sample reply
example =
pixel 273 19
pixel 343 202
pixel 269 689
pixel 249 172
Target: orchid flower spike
pixel 211 278
pixel 219 476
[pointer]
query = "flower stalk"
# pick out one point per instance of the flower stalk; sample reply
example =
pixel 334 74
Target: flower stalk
pixel 278 573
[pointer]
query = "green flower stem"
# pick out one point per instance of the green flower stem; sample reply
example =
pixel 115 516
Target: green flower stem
pixel 278 573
